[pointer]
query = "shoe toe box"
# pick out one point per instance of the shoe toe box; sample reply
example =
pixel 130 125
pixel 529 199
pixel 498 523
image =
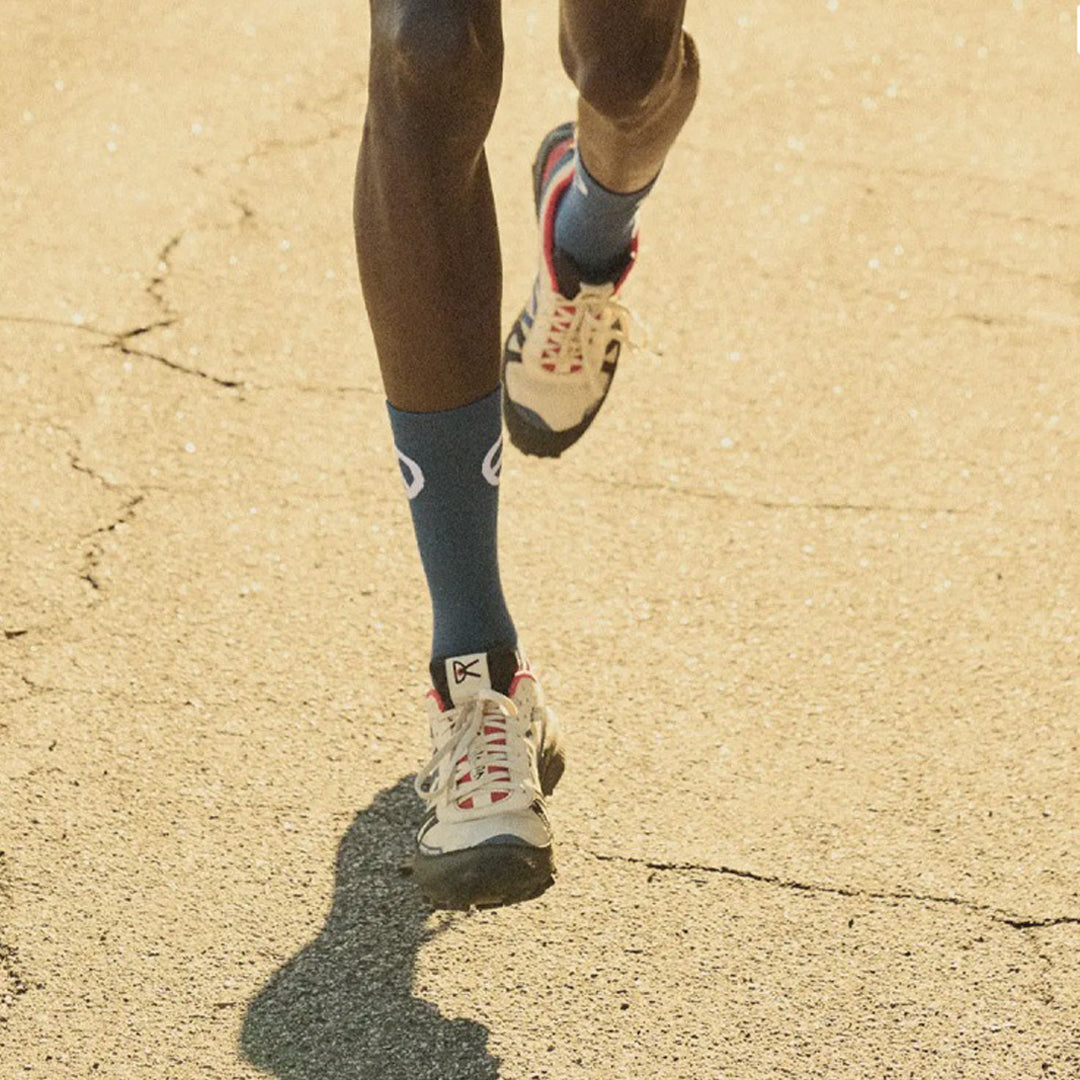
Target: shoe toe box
pixel 527 827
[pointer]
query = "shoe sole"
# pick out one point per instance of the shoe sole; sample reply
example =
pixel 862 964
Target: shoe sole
pixel 485 877
pixel 525 435
pixel 541 442
pixel 497 874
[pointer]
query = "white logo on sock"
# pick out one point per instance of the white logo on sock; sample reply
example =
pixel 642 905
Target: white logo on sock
pixel 414 481
pixel 492 467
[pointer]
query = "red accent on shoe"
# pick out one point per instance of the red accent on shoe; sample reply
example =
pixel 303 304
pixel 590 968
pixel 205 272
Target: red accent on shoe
pixel 555 153
pixel 550 206
pixel 435 696
pixel 523 673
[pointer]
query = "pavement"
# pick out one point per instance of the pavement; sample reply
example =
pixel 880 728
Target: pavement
pixel 806 599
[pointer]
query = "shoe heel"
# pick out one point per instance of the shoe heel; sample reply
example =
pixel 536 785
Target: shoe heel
pixel 552 772
pixel 553 138
pixel 552 756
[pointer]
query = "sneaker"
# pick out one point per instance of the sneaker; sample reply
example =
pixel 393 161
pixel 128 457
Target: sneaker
pixel 562 352
pixel 486 840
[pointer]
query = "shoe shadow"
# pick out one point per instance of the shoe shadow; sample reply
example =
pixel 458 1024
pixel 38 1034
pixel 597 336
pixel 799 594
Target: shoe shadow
pixel 343 1008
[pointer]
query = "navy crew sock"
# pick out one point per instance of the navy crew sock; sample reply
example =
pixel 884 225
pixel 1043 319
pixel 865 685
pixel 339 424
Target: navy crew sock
pixel 450 462
pixel 594 226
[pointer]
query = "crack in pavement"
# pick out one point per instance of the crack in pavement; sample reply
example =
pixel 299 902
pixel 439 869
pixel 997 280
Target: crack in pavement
pixel 1040 924
pixel 36 689
pixel 770 504
pixel 1017 922
pixel 156 288
pixel 267 147
pixel 76 462
pixel 118 341
pixel 247 212
pixel 314 388
pixel 335 126
pixel 96 552
pixel 37 320
pixel 80 466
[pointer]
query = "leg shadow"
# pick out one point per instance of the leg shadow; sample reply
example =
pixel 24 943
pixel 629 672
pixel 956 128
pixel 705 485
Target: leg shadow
pixel 343 1007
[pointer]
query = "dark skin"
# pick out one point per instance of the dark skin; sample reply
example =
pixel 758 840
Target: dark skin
pixel 427 241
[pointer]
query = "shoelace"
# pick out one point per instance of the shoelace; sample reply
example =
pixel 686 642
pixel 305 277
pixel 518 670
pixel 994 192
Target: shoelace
pixel 480 739
pixel 578 321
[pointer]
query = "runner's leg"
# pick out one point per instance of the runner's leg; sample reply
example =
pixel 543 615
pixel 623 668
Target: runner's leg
pixel 426 236
pixel 428 252
pixel 637 73
pixel 429 263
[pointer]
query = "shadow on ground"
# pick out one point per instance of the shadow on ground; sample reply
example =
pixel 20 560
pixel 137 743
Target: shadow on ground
pixel 343 1007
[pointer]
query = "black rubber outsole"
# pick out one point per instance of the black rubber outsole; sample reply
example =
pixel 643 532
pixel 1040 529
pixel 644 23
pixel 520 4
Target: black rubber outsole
pixel 541 442
pixel 491 876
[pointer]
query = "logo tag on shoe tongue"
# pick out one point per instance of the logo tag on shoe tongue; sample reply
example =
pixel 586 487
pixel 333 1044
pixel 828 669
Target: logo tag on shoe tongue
pixel 465 675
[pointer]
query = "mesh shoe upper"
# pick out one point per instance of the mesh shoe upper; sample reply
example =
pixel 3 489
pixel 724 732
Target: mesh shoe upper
pixel 483 781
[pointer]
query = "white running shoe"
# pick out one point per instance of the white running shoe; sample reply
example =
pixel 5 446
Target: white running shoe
pixel 486 839
pixel 562 352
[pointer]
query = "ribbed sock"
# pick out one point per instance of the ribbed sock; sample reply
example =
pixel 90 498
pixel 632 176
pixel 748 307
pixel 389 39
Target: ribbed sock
pixel 450 462
pixel 594 226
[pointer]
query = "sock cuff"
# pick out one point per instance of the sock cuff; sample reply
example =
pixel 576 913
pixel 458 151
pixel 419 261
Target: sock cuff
pixel 590 181
pixel 473 412
pixel 455 448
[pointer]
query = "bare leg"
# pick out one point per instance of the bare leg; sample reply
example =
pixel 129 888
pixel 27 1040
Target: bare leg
pixel 426 236
pixel 637 72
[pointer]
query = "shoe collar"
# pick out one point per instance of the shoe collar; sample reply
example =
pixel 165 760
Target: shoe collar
pixel 457 679
pixel 563 273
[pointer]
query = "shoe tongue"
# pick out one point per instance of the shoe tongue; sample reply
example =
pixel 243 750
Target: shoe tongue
pixel 567 275
pixel 458 678
pixel 570 277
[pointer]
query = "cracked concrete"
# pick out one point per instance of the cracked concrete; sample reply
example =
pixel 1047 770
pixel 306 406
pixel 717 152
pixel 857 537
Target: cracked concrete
pixel 689 492
pixel 96 551
pixel 156 286
pixel 1018 922
pixel 807 601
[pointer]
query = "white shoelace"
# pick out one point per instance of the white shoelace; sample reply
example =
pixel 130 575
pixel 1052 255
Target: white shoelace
pixel 494 759
pixel 593 311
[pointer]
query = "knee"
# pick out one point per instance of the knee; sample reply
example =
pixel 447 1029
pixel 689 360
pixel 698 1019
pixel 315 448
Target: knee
pixel 438 61
pixel 623 83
